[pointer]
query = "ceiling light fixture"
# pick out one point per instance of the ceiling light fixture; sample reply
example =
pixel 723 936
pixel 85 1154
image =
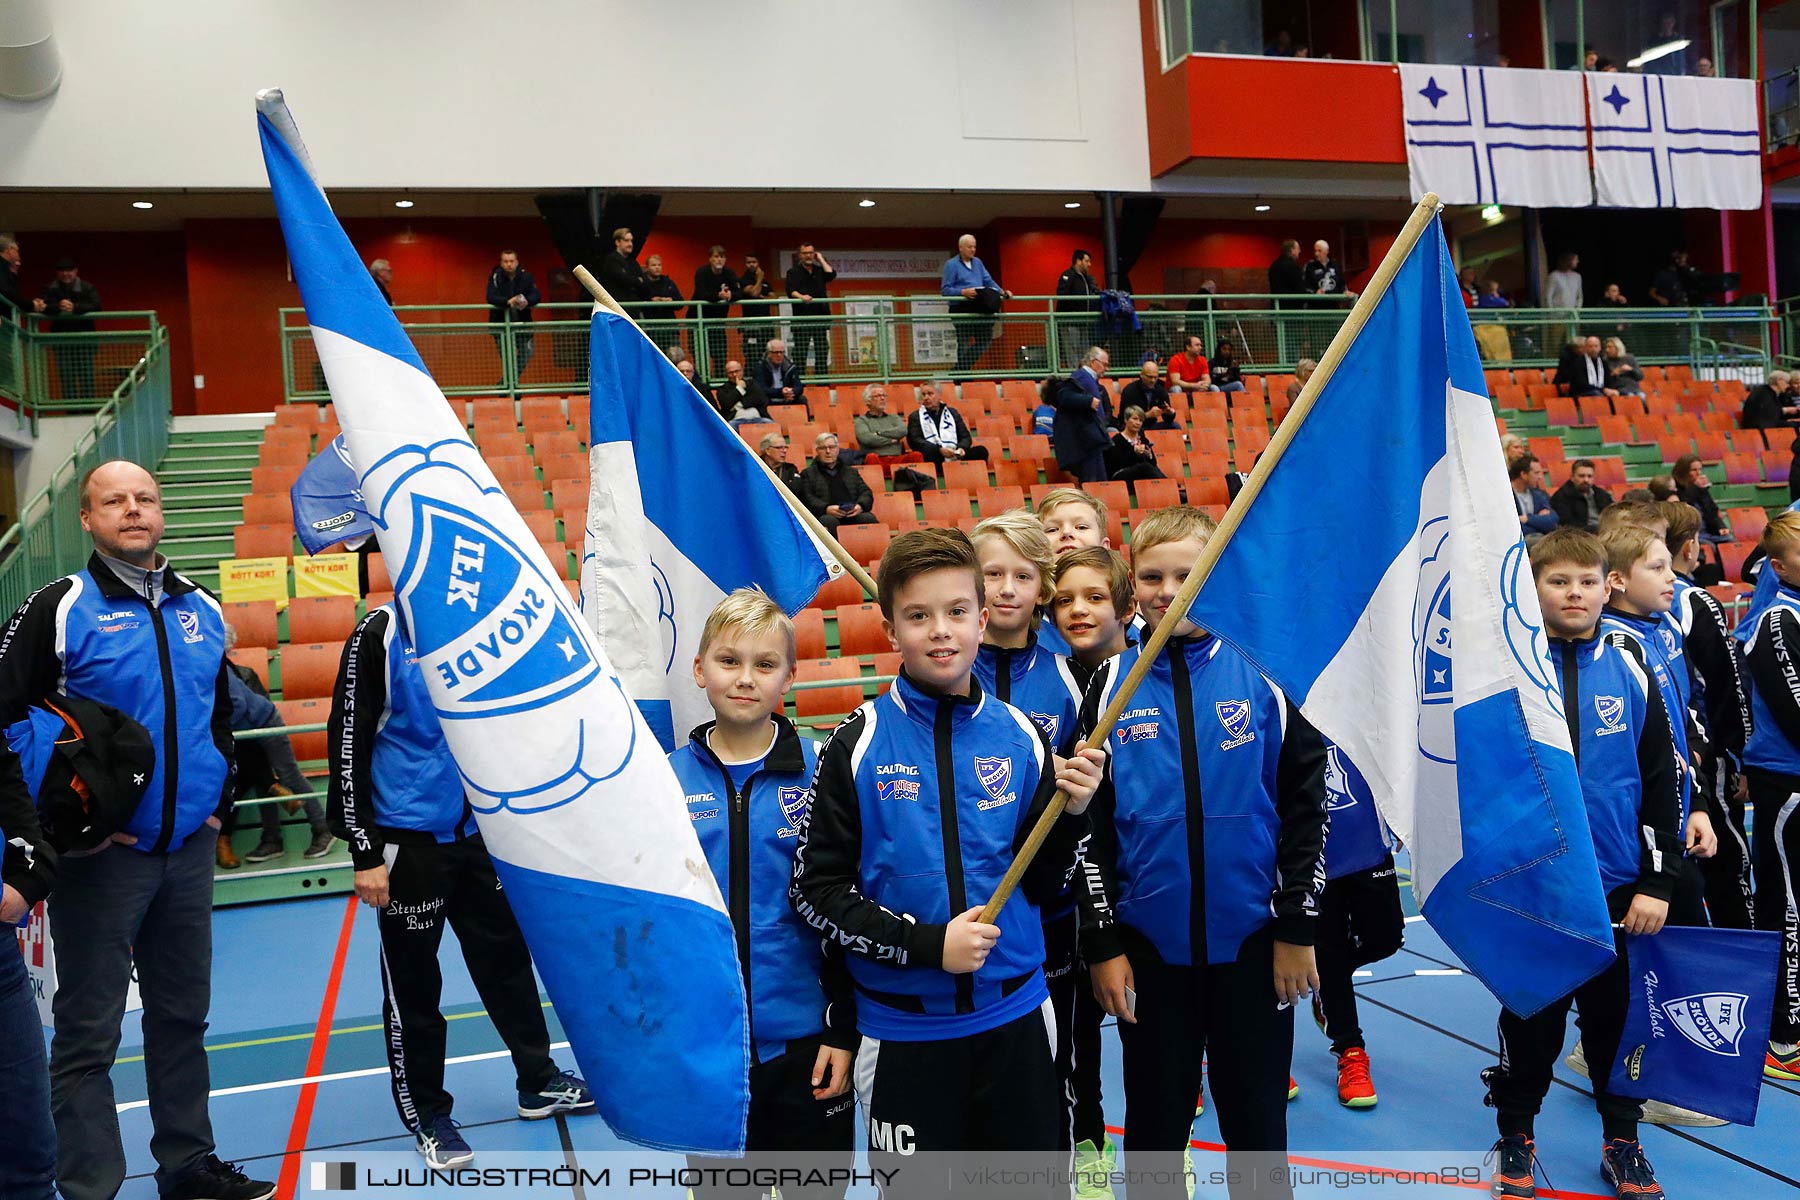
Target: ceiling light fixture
pixel 1262 208
pixel 142 204
pixel 865 204
pixel 1071 204
pixel 403 204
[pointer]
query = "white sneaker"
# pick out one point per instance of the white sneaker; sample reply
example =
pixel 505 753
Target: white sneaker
pixel 1577 1061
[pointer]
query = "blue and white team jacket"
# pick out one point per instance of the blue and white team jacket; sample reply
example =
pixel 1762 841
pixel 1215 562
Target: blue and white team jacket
pixel 1037 681
pixel 1772 653
pixel 163 665
pixel 1625 755
pixel 1660 640
pixel 920 802
pixel 1215 822
pixel 749 838
pixel 1357 839
pixel 392 777
pixel 1717 701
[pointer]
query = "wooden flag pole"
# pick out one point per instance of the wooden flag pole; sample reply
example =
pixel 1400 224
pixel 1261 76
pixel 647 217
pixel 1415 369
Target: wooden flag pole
pixel 851 566
pixel 1415 228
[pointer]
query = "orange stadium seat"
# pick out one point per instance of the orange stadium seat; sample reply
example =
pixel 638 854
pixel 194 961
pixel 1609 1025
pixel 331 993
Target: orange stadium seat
pixel 1156 493
pixel 828 701
pixel 859 630
pixel 268 508
pixel 993 501
pixel 254 623
pixel 892 508
pixel 308 747
pixel 272 479
pixel 254 657
pixel 966 475
pixel 840 591
pixel 946 507
pixel 1747 524
pixel 306 416
pixel 525 494
pixel 321 618
pixel 263 541
pixel 309 669
pixel 864 542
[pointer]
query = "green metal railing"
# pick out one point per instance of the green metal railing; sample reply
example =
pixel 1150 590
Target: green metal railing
pixel 865 339
pixel 47 372
pixel 132 423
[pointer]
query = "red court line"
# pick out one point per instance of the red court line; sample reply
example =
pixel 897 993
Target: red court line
pixel 1328 1164
pixel 315 1061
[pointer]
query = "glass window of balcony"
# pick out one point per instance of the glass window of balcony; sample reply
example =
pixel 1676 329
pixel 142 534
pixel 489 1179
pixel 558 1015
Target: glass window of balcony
pixel 1276 28
pixel 1656 37
pixel 1457 32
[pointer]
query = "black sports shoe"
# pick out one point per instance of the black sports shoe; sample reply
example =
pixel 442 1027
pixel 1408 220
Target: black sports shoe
pixel 320 845
pixel 1623 1165
pixel 1513 1177
pixel 216 1180
pixel 267 849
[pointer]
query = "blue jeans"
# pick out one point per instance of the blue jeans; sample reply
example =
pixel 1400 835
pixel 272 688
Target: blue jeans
pixel 28 1168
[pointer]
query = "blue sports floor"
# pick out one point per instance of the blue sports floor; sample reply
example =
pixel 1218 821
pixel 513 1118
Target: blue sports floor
pixel 278 1086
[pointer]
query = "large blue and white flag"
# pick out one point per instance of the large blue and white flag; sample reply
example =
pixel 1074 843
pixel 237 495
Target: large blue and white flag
pixel 328 501
pixel 680 514
pixel 1670 141
pixel 1694 1030
pixel 1406 626
pixel 580 811
pixel 1476 135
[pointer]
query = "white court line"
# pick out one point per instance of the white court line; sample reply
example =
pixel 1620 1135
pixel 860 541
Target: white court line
pixel 1420 917
pixel 1439 971
pixel 1362 974
pixel 273 1084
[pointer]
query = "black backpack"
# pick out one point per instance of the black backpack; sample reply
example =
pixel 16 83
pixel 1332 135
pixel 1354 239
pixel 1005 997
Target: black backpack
pixel 87 764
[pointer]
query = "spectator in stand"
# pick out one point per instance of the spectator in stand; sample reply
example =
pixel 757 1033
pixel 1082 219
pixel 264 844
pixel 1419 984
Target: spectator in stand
pixel 1188 371
pixel 1511 446
pixel 1043 417
pixel 1590 59
pixel 1471 287
pixel 1704 69
pixel 1580 501
pixel 69 302
pixel 834 491
pixel 1606 66
pixel 1150 397
pixel 1581 371
pixel 1077 301
pixel 1130 454
pixel 967 277
pixel 759 319
pixel 1614 297
pixel 383 274
pixel 685 365
pixel 1303 371
pixel 938 431
pixel 1564 289
pixel 1669 286
pixel 1322 276
pixel 1224 370
pixel 880 433
pixel 266 766
pixel 620 273
pixel 780 379
pixel 1286 278
pixel 1536 517
pixel 715 291
pixel 1281 47
pixel 1490 296
pixel 511 295
pixel 1084 419
pixel 739 400
pixel 1660 488
pixel 807 284
pixel 1771 404
pixel 10 262
pixel 1623 376
pixel 656 286
pixel 773 451
pixel 1692 486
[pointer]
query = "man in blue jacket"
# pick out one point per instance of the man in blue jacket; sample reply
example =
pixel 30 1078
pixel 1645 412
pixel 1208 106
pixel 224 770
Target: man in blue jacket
pixel 1536 517
pixel 1084 419
pixel 979 294
pixel 126 630
pixel 511 295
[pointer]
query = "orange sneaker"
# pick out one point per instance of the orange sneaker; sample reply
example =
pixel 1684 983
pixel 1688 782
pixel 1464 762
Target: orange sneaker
pixel 1781 1066
pixel 1293 1088
pixel 1355 1088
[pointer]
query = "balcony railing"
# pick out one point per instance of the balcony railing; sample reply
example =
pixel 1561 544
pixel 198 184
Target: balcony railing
pixel 865 339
